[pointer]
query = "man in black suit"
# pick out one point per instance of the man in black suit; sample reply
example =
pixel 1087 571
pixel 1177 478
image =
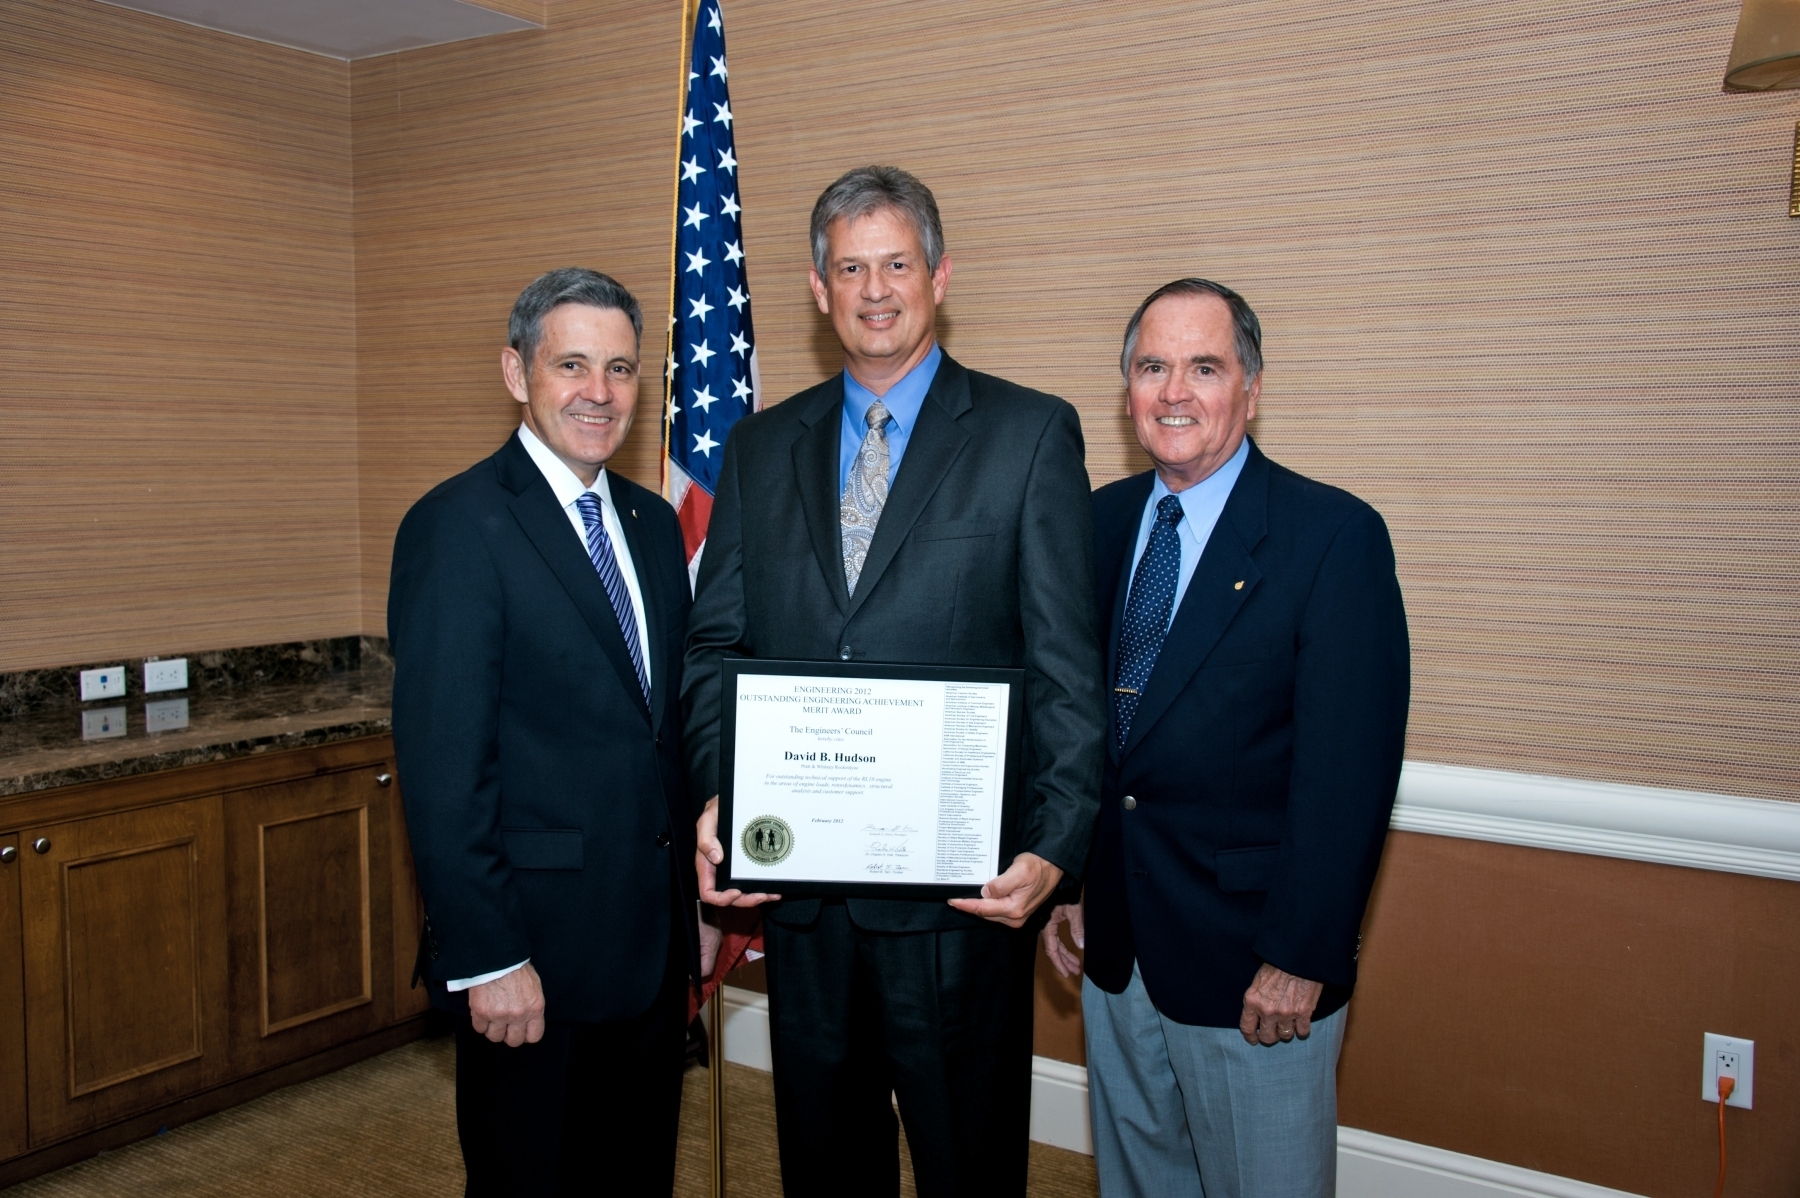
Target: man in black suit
pixel 978 555
pixel 1259 669
pixel 537 612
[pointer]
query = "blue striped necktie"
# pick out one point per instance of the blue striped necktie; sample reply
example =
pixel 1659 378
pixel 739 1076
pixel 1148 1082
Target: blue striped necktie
pixel 607 566
pixel 1147 613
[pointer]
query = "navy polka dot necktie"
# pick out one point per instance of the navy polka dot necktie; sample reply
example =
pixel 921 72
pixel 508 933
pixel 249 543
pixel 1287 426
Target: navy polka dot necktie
pixel 1147 613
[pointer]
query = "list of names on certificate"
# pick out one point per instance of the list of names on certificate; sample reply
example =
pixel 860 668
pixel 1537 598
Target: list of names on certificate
pixel 967 786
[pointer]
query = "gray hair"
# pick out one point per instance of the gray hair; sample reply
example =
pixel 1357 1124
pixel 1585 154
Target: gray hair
pixel 1246 328
pixel 869 189
pixel 566 285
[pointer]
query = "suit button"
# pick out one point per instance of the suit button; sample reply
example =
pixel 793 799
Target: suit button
pixel 659 742
pixel 1130 803
pixel 843 652
pixel 662 840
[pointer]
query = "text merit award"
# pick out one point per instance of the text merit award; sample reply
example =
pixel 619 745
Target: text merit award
pixel 898 781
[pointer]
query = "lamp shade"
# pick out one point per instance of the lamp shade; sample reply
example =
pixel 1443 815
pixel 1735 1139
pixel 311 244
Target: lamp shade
pixel 1765 55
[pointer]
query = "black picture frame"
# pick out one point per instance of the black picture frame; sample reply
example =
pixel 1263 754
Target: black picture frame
pixel 1011 798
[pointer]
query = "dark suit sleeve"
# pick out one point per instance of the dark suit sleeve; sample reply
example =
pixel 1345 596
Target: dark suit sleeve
pixel 1351 690
pixel 715 627
pixel 1064 711
pixel 446 623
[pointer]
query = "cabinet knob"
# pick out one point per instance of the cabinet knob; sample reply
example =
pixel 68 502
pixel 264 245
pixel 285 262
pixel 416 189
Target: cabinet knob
pixel 384 779
pixel 41 844
pixel 8 854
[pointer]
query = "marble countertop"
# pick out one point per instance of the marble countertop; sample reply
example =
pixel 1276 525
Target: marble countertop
pixel 230 709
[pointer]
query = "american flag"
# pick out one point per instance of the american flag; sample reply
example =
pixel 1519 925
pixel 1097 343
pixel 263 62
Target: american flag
pixel 711 368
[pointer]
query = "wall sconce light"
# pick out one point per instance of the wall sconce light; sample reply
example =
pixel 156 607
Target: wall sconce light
pixel 1765 56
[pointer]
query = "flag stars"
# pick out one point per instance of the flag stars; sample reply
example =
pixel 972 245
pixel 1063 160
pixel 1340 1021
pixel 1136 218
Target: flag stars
pixel 698 307
pixel 689 124
pixel 702 354
pixel 727 163
pixel 719 68
pixel 704 398
pixel 740 390
pixel 739 346
pixel 734 253
pixel 691 169
pixel 730 206
pixel 704 444
pixel 736 299
pixel 697 262
pixel 724 115
pixel 713 23
pixel 694 216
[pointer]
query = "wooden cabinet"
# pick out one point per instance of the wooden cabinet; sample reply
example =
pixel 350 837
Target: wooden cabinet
pixel 14 1138
pixel 124 964
pixel 181 934
pixel 311 904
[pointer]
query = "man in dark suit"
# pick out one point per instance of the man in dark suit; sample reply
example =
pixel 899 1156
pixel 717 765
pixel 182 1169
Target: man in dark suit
pixel 906 510
pixel 1259 669
pixel 537 613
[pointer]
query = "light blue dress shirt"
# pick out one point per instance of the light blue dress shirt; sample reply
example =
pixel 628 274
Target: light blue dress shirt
pixel 903 400
pixel 1201 506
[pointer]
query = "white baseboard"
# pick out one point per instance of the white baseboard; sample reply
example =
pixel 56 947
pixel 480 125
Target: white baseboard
pixel 1606 819
pixel 1369 1165
pixel 1372 1166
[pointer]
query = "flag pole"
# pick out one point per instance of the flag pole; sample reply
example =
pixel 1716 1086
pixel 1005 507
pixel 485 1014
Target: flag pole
pixel 687 50
pixel 715 1007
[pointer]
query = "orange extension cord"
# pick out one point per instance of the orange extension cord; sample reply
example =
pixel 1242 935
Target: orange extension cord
pixel 1726 1086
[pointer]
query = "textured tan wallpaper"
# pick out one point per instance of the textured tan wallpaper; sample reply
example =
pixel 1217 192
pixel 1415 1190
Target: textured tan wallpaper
pixel 1527 276
pixel 177 331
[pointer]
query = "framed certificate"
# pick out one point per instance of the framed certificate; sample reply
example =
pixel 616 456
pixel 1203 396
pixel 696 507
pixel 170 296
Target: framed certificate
pixel 893 781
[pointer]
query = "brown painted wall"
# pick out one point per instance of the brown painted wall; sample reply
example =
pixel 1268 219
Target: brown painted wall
pixel 177 332
pixel 1546 1009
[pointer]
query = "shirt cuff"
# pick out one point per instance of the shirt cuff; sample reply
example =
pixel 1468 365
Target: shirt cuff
pixel 484 979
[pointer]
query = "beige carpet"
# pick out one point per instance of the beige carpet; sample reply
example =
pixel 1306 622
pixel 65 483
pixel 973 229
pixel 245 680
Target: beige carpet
pixel 388 1127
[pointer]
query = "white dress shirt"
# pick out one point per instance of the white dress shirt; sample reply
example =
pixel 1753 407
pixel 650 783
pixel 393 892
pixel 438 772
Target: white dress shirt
pixel 568 489
pixel 1201 506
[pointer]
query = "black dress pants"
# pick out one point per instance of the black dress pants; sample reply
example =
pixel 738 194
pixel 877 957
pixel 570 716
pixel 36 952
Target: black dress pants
pixel 940 1020
pixel 591 1109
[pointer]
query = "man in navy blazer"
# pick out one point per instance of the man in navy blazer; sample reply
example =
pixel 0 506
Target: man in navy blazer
pixel 537 613
pixel 1259 670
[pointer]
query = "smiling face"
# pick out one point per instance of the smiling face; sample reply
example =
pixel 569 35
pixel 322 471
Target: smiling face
pixel 1185 390
pixel 581 391
pixel 880 295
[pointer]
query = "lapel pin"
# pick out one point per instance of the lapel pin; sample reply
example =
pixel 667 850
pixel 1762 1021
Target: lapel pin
pixel 634 517
pixel 1236 586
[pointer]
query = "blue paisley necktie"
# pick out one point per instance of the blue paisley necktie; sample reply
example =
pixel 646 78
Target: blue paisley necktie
pixel 1147 613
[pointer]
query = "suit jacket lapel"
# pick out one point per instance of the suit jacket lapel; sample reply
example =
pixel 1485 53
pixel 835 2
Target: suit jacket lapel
pixel 1213 596
pixel 816 475
pixel 935 442
pixel 545 523
pixel 646 570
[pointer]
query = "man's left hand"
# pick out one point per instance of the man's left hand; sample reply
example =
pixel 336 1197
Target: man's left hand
pixel 1014 895
pixel 1278 1006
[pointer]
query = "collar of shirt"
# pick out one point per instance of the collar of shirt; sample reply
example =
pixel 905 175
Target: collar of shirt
pixel 564 483
pixel 567 488
pixel 903 400
pixel 1201 506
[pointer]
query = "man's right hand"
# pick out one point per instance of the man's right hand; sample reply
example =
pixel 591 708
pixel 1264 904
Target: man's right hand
pixel 509 1008
pixel 1066 962
pixel 708 854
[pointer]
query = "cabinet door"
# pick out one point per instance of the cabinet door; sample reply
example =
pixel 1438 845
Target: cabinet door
pixel 311 914
pixel 12 1003
pixel 125 964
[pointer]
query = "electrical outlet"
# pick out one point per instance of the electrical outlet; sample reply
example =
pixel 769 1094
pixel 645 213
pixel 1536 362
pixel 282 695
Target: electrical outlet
pixel 107 682
pixel 1727 1056
pixel 166 715
pixel 161 675
pixel 102 723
